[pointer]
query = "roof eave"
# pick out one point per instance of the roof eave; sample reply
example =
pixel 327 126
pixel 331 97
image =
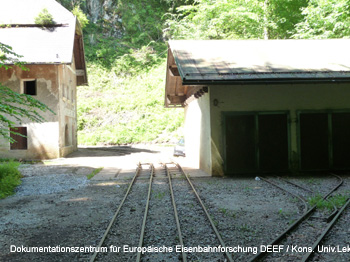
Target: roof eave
pixel 265 81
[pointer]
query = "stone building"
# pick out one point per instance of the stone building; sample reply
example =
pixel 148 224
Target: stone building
pixel 54 56
pixel 254 106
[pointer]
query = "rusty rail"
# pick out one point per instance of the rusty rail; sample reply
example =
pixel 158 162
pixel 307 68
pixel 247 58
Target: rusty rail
pixel 306 215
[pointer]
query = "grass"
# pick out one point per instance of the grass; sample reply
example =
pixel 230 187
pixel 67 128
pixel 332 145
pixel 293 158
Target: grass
pixel 93 173
pixel 227 213
pixel 160 195
pixel 336 200
pixel 10 178
pixel 116 109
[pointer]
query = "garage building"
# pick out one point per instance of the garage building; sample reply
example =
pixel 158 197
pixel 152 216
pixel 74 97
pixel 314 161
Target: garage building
pixel 254 106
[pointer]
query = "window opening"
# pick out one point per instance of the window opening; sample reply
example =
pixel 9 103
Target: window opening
pixel 66 136
pixel 29 87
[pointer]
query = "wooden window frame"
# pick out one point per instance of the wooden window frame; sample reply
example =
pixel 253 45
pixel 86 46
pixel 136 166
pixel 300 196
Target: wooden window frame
pixel 21 142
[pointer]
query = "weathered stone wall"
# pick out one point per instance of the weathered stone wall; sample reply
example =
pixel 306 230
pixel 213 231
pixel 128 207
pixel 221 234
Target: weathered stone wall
pixel 68 109
pixel 56 87
pixel 42 137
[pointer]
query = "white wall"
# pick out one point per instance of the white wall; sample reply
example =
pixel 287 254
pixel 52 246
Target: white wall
pixel 197 133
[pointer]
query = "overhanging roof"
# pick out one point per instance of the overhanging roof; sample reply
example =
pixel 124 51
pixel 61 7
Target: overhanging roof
pixel 246 61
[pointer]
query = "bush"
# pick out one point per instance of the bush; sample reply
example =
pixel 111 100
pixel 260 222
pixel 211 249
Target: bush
pixel 44 18
pixel 80 16
pixel 10 177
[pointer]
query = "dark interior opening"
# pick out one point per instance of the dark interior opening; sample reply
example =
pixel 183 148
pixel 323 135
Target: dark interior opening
pixel 256 143
pixel 341 140
pixel 314 143
pixel 30 87
pixel 240 144
pixel 273 142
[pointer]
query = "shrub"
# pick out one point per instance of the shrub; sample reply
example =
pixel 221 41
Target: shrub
pixel 10 177
pixel 44 18
pixel 80 16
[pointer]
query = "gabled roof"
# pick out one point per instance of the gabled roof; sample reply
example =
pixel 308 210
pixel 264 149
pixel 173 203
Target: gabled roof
pixel 246 61
pixel 37 44
pixel 40 45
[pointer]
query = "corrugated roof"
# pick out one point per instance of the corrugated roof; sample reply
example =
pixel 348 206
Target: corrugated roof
pixel 219 61
pixel 37 44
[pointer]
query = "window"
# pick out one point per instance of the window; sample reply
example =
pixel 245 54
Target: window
pixel 29 87
pixel 21 142
pixel 66 136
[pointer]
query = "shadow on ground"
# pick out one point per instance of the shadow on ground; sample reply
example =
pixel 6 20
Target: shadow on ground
pixel 108 151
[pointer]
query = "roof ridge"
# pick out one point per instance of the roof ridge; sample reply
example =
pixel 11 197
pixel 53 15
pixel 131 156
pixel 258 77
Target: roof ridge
pixel 31 25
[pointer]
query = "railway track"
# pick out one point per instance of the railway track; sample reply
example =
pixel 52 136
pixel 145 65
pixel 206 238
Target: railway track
pixel 148 184
pixel 300 241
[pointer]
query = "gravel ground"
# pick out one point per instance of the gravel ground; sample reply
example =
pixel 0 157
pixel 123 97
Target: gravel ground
pixel 58 206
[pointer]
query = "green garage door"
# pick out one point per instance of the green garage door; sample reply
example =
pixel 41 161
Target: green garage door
pixel 314 135
pixel 273 142
pixel 341 140
pixel 240 143
pixel 256 142
pixel 324 140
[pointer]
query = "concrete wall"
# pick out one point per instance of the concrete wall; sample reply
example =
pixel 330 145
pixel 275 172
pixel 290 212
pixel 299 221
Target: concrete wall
pixel 56 87
pixel 197 133
pixel 271 98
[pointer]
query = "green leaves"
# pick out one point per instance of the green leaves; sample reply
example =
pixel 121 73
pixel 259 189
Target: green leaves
pixel 325 19
pixel 44 18
pixel 235 19
pixel 80 16
pixel 18 107
pixel 7 57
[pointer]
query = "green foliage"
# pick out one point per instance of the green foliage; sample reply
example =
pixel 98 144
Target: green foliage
pixel 235 19
pixel 17 106
pixel 337 200
pixel 284 15
pixel 70 4
pixel 118 109
pixel 208 19
pixel 44 18
pixel 95 172
pixel 7 57
pixel 10 177
pixel 80 16
pixel 325 19
pixel 142 20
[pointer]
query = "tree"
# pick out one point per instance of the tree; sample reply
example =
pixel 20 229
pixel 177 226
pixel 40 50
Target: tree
pixel 283 16
pixel 209 19
pixel 235 19
pixel 325 19
pixel 80 16
pixel 14 106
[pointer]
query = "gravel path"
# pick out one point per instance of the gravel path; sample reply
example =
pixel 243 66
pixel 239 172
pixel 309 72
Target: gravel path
pixel 58 206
